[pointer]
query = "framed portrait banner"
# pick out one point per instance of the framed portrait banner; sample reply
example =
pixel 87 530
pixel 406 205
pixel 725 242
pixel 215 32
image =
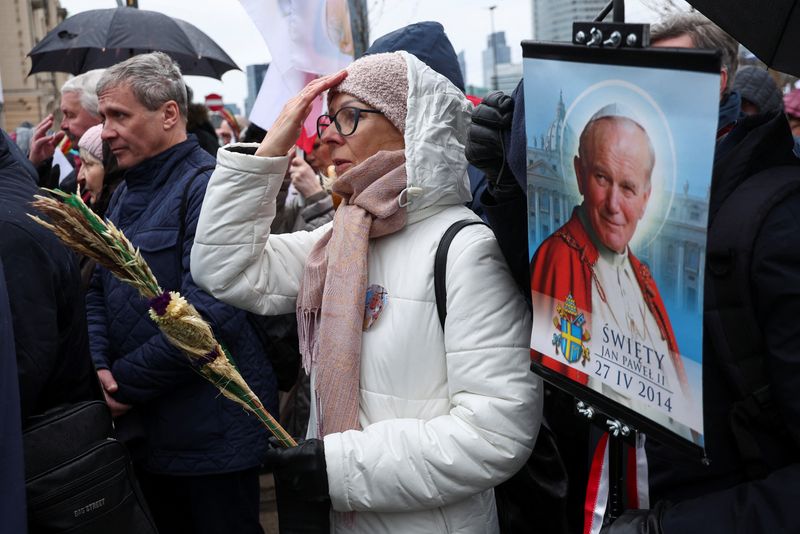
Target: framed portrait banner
pixel 620 148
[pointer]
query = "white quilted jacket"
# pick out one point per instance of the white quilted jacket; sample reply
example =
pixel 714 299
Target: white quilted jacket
pixel 446 416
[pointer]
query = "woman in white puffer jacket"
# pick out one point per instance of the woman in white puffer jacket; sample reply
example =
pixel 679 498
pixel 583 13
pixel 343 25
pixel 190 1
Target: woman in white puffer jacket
pixel 411 426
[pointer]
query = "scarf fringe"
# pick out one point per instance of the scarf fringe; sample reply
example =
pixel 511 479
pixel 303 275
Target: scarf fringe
pixel 307 328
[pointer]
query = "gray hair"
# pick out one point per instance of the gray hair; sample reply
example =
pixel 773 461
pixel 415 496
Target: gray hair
pixel 704 34
pixel 85 86
pixel 154 79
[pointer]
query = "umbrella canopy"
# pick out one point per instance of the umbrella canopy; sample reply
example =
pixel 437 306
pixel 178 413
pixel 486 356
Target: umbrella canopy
pixel 103 37
pixel 769 29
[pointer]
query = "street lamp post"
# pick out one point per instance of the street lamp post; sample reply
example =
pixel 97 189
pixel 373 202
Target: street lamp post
pixel 493 37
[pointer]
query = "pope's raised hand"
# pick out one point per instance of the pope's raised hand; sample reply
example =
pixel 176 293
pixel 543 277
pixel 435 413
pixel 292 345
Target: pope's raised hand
pixel 286 128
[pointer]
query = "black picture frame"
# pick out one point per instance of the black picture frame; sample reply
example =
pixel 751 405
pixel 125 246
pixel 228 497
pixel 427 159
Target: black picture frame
pixel 706 61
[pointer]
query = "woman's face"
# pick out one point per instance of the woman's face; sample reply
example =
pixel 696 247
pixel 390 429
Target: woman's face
pixel 373 134
pixel 90 177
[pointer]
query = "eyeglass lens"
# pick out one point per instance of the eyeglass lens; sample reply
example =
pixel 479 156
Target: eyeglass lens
pixel 346 120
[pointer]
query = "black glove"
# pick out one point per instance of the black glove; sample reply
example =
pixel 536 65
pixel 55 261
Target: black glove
pixel 638 521
pixel 300 470
pixel 485 147
pixel 301 487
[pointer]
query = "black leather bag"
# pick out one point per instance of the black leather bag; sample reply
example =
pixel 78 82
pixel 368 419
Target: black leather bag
pixel 78 478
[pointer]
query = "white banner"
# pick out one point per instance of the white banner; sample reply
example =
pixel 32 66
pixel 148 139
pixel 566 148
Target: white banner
pixel 64 166
pixel 306 38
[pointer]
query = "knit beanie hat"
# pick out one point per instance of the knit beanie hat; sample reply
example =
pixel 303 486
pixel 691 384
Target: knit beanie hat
pixel 791 101
pixel 91 142
pixel 757 86
pixel 380 81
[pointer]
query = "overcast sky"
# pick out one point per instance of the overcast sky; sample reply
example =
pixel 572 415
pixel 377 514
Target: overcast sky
pixel 466 22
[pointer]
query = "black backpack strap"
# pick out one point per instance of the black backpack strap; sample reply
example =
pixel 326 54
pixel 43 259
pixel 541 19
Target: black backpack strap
pixel 730 318
pixel 182 215
pixel 440 265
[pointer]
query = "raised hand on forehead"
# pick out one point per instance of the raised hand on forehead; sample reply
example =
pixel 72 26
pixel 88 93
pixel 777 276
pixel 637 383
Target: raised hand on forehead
pixel 286 128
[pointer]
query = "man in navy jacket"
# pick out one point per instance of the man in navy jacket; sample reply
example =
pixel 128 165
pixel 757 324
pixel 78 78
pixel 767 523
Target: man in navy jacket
pixel 199 466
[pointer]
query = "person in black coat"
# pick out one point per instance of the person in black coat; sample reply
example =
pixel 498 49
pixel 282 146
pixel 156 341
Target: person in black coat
pixel 12 476
pixel 687 495
pixel 198 123
pixel 47 309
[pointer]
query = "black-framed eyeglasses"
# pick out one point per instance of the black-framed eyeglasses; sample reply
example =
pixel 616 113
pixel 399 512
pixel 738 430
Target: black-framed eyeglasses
pixel 346 120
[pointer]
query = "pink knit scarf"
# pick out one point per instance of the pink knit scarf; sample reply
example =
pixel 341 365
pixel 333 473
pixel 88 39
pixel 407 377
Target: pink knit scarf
pixel 330 304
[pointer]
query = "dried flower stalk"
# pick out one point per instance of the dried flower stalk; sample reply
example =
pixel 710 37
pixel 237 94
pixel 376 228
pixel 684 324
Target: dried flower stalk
pixel 82 230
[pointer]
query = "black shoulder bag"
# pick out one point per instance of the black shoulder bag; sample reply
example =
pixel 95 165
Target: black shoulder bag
pixel 78 477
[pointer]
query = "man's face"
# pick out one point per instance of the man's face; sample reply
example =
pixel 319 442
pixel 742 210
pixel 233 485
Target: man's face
pixel 133 132
pixel 75 120
pixel 614 179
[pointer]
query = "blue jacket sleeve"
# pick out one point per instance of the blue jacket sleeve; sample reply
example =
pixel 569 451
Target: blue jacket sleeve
pixel 770 504
pixel 97 320
pixel 156 366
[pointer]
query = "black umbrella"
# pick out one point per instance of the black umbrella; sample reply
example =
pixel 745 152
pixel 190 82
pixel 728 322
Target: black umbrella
pixel 770 29
pixel 103 37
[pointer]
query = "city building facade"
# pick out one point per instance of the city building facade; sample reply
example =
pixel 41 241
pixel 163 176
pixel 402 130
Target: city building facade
pixel 462 64
pixel 496 51
pixel 552 19
pixel 255 76
pixel 26 98
pixel 508 76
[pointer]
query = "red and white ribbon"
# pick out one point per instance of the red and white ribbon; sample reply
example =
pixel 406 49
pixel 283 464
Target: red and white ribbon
pixel 598 488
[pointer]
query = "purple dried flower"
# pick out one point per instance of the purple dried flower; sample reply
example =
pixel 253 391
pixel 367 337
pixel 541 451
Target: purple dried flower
pixel 160 303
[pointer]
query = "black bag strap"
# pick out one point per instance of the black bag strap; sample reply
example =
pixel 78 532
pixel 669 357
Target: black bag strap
pixel 182 215
pixel 730 318
pixel 440 265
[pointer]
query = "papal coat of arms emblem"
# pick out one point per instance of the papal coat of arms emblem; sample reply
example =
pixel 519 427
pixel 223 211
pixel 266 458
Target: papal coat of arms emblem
pixel 571 337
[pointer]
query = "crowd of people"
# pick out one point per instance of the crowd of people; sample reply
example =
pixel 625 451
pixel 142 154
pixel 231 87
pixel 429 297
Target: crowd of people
pixel 414 412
